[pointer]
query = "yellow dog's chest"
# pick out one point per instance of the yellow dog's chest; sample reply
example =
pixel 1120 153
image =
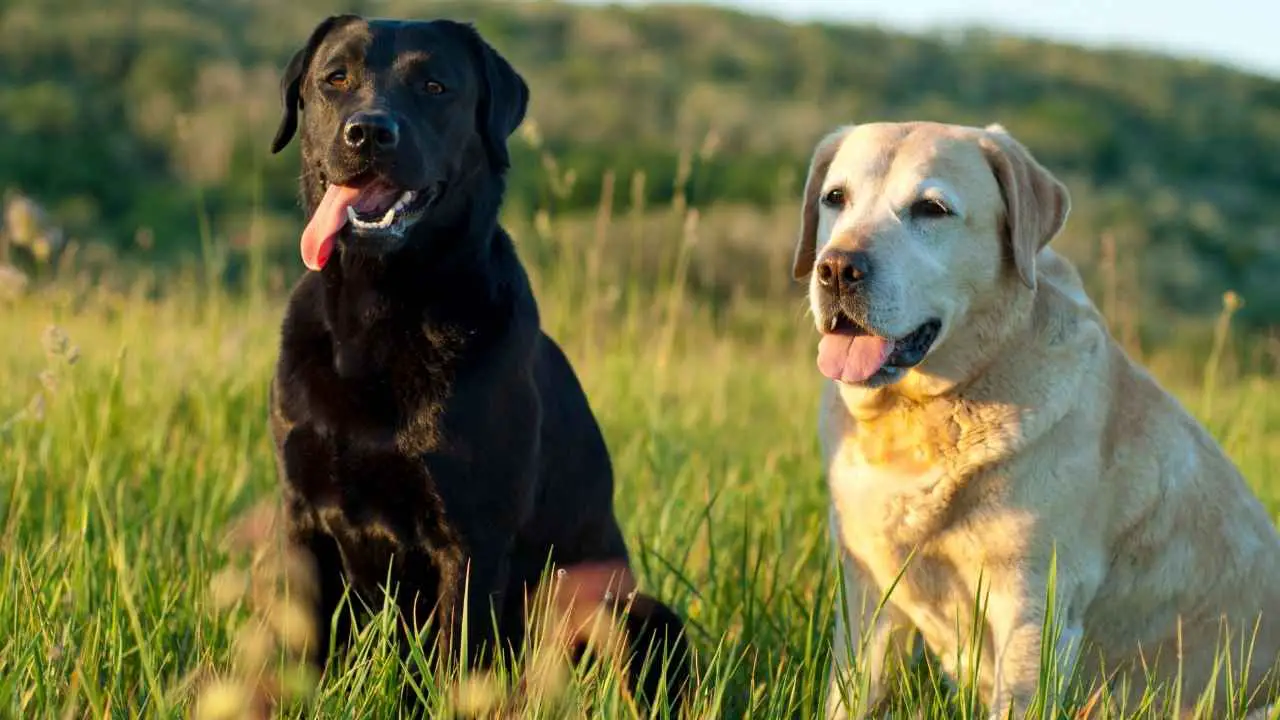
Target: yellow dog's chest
pixel 895 514
pixel 886 477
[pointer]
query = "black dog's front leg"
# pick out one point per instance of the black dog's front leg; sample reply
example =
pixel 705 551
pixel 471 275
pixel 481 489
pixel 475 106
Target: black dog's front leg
pixel 331 631
pixel 473 582
pixel 305 465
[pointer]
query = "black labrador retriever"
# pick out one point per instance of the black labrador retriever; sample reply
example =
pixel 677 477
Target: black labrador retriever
pixel 427 430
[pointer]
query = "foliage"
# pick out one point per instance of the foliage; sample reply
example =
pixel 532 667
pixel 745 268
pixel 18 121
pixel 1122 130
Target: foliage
pixel 133 434
pixel 654 202
pixel 147 121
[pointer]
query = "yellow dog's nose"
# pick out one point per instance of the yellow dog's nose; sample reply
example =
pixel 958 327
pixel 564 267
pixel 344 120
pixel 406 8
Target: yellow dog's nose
pixel 842 270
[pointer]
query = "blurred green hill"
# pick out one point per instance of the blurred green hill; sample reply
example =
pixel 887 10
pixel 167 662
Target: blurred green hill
pixel 144 124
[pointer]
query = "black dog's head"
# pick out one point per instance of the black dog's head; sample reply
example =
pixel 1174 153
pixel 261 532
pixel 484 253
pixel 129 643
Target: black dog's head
pixel 401 121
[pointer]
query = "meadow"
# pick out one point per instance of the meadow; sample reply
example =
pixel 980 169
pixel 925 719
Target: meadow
pixel 133 433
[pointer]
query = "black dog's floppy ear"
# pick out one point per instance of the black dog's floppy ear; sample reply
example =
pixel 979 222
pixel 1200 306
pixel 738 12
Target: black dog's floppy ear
pixel 503 100
pixel 291 82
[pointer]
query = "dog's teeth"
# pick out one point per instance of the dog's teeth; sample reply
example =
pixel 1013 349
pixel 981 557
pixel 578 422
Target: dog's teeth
pixel 403 202
pixel 388 218
pixel 833 322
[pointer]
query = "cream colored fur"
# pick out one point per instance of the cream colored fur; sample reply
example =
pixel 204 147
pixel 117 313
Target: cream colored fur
pixel 1024 436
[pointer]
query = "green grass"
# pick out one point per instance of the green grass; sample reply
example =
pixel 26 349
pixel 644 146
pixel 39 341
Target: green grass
pixel 133 435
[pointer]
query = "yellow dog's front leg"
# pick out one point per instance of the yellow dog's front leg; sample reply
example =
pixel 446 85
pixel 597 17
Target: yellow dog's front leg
pixel 1020 641
pixel 871 641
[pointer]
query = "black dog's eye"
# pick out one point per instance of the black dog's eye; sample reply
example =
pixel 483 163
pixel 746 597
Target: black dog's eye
pixel 929 208
pixel 834 198
pixel 337 78
pixel 432 87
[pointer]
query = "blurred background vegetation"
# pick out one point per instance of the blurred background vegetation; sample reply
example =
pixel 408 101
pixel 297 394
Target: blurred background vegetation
pixel 143 125
pixel 149 236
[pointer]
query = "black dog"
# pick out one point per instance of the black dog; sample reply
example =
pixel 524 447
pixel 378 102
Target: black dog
pixel 427 430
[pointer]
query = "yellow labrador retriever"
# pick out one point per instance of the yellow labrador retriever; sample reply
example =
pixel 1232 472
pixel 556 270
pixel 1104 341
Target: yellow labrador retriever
pixel 991 451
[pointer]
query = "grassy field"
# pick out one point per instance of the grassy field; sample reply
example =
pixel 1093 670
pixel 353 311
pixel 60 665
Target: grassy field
pixel 133 430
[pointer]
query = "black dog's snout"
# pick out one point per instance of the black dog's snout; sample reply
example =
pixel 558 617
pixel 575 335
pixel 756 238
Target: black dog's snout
pixel 842 270
pixel 371 130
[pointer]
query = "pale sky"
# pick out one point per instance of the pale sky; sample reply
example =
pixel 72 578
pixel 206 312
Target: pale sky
pixel 1244 33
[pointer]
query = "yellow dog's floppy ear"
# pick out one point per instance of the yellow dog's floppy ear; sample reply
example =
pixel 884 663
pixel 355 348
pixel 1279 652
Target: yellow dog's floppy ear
pixel 1036 203
pixel 807 243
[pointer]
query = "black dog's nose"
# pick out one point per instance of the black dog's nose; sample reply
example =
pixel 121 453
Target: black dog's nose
pixel 371 130
pixel 842 270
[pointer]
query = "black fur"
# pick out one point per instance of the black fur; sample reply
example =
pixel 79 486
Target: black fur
pixel 423 421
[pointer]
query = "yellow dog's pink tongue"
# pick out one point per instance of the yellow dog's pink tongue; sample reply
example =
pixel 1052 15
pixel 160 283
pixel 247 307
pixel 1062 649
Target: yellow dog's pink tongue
pixel 328 220
pixel 852 358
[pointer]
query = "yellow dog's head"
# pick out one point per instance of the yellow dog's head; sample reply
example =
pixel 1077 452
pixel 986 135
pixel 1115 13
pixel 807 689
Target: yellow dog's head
pixel 915 238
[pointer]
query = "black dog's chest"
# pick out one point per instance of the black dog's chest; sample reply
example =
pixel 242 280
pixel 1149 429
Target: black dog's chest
pixel 368 479
pixel 381 507
pixel 365 452
pixel 372 553
pixel 385 387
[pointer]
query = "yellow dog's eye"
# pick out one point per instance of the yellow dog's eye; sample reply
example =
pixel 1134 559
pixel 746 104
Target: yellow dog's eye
pixel 929 208
pixel 834 198
pixel 337 78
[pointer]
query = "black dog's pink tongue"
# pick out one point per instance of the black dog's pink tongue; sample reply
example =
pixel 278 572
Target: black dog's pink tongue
pixel 376 199
pixel 325 224
pixel 852 358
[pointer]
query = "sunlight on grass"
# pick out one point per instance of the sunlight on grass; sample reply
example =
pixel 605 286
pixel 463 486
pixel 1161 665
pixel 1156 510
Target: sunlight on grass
pixel 133 433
